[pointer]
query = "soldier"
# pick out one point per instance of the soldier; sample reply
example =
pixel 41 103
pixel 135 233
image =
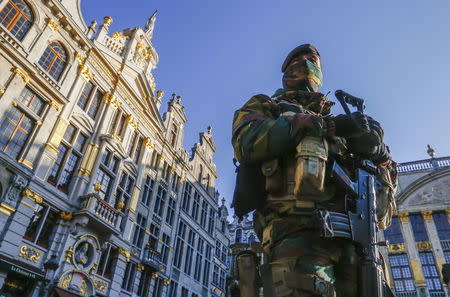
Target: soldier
pixel 290 138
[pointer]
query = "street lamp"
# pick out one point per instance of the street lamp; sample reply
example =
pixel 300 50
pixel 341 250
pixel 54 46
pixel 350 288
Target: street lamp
pixel 50 268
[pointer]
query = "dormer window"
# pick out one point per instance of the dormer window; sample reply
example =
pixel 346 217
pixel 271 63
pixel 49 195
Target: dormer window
pixel 17 18
pixel 173 135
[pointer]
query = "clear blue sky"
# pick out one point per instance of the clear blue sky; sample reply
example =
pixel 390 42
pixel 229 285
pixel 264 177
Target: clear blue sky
pixel 217 54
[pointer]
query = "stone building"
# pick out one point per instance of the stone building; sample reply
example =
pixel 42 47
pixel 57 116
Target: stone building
pixel 98 197
pixel 419 237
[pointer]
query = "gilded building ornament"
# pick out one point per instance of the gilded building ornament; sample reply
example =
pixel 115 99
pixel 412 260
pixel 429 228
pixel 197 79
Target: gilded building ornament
pixel 118 35
pixel 6 209
pixel 79 57
pixel 182 179
pixel 85 72
pixel 32 195
pixel 22 74
pixel 125 253
pixel 152 82
pixel 84 172
pixel 166 282
pixel 447 211
pixel 55 105
pixel 2 91
pixel 159 94
pixel 427 214
pixel 69 254
pixel 424 245
pixel 396 248
pixel 107 21
pixel 120 205
pixel 155 275
pixel 112 136
pixel 100 285
pixel 109 98
pixel 29 253
pixel 403 216
pixel 38 123
pixel 93 269
pixel 132 121
pixel 52 24
pixel 84 288
pixel 65 215
pixel 140 267
pixel 26 162
pixel 64 282
pixel 97 187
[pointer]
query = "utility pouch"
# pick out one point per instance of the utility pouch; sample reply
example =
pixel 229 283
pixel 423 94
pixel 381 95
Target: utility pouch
pixel 249 191
pixel 273 176
pixel 311 157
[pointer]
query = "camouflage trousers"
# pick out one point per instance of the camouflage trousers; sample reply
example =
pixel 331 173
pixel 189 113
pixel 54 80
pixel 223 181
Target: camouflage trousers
pixel 306 265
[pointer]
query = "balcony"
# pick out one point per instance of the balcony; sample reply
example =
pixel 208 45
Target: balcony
pixel 406 294
pixel 101 215
pixel 445 245
pixel 437 294
pixel 153 259
pixel 423 165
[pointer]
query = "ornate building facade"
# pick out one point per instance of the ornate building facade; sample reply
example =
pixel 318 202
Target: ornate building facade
pixel 98 197
pixel 419 237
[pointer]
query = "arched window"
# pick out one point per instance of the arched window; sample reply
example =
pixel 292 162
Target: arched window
pixel 54 59
pixel 17 18
pixel 173 135
pixel 238 235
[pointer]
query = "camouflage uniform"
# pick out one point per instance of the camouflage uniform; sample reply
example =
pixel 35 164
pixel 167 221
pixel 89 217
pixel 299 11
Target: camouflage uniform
pixel 299 257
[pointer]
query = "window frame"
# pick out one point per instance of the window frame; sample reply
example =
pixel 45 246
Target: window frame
pixel 16 19
pixel 64 60
pixel 93 92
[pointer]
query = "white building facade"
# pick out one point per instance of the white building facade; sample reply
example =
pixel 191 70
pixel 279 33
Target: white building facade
pixel 98 197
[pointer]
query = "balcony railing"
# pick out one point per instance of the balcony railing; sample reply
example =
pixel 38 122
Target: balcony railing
pixel 406 294
pixel 437 294
pixel 445 245
pixel 423 164
pixel 153 259
pixel 103 213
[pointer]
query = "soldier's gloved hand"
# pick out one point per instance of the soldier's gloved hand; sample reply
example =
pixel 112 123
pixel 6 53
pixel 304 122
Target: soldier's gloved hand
pixel 302 124
pixel 352 125
pixel 368 142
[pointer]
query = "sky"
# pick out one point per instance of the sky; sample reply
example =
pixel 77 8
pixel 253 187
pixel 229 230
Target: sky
pixel 217 54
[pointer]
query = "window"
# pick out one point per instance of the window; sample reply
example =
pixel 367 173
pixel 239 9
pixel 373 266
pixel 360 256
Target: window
pixel 447 256
pixel 70 152
pixel 198 259
pixel 418 226
pixel 170 214
pixel 90 100
pixel 251 238
pixel 107 262
pixel 195 206
pixel 186 197
pixel 165 248
pixel 184 292
pixel 223 256
pixel 17 18
pixel 179 247
pixel 158 287
pixel 218 249
pixel 125 189
pixel 189 252
pixel 128 277
pixel 211 220
pixel 204 214
pixel 42 226
pixel 137 149
pixel 106 174
pixel 222 228
pixel 139 230
pixel 160 201
pixel 442 225
pixel 19 122
pixel 401 273
pixel 175 182
pixel 149 186
pixel 172 289
pixel 154 237
pixel 54 59
pixel 200 174
pixel 173 135
pixel 430 271
pixel 238 235
pixel 144 283
pixel 393 234
pixel 222 280
pixel 207 265
pixel 118 124
pixel 215 279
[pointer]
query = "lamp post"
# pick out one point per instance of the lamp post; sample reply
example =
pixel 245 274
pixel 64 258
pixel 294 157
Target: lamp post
pixel 50 268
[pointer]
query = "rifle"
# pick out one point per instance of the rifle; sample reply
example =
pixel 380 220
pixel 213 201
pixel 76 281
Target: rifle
pixel 359 224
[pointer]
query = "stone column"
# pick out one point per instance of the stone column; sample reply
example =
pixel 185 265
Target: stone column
pixel 416 267
pixel 435 244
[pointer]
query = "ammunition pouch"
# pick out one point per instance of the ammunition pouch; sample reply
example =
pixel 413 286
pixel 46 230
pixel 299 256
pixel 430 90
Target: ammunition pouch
pixel 249 191
pixel 333 224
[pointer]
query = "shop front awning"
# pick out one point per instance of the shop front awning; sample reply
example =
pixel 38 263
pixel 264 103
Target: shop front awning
pixel 63 293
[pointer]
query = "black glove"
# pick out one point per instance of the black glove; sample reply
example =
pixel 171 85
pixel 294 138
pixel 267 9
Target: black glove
pixel 370 145
pixel 353 125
